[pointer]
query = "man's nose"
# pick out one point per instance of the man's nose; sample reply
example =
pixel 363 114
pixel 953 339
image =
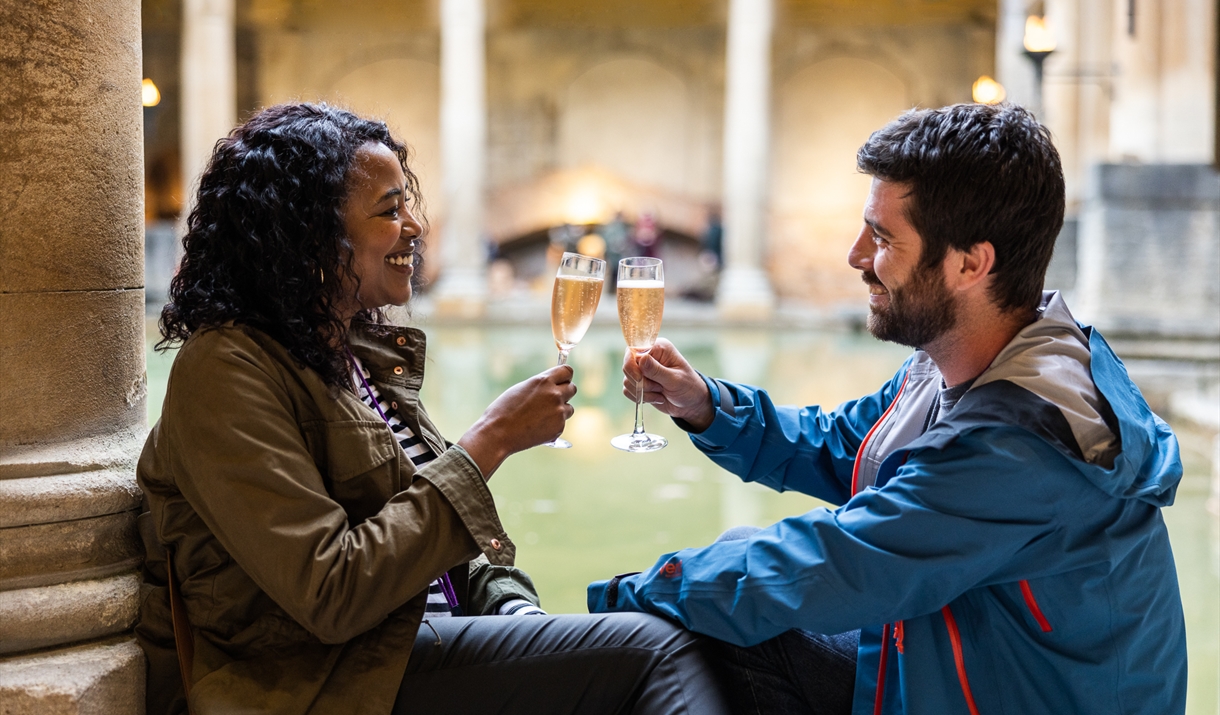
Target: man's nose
pixel 860 255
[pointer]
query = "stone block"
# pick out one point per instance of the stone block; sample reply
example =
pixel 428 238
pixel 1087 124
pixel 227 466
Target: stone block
pixel 68 612
pixel 112 451
pixel 66 497
pixel 1149 251
pixel 103 678
pixel 43 554
pixel 73 364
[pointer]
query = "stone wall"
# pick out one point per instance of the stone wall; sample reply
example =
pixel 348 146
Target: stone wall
pixel 644 103
pixel 72 397
pixel 1149 251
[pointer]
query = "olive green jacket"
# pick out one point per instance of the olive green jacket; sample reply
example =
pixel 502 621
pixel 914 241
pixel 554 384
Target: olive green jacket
pixel 304 540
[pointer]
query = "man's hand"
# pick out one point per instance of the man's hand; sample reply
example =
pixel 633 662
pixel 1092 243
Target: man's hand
pixel 670 384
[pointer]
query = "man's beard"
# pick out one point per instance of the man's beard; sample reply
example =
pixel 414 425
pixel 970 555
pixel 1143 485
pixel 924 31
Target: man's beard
pixel 918 312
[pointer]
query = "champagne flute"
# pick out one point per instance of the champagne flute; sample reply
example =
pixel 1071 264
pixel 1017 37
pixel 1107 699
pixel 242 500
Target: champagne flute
pixel 641 301
pixel 574 298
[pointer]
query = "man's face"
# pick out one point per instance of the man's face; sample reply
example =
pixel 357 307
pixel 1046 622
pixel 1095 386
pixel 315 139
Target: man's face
pixel 908 304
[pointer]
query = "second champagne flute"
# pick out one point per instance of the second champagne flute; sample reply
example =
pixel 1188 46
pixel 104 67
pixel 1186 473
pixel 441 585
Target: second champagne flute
pixel 574 299
pixel 641 301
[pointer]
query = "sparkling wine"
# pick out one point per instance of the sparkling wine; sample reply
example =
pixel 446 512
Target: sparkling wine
pixel 573 301
pixel 640 305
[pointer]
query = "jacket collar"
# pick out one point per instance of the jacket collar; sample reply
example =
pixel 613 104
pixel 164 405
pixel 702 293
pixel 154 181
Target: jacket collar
pixel 382 348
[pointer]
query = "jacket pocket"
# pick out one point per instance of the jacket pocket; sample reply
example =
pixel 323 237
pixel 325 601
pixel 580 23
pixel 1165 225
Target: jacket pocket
pixel 1034 610
pixel 359 463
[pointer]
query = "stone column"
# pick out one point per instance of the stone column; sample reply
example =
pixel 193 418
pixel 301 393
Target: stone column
pixel 209 86
pixel 1163 107
pixel 71 355
pixel 745 291
pixel 1148 250
pixel 1013 69
pixel 462 288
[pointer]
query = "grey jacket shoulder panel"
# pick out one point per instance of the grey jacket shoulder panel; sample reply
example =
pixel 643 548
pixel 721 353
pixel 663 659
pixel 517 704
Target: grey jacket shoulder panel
pixel 1041 382
pixel 1050 358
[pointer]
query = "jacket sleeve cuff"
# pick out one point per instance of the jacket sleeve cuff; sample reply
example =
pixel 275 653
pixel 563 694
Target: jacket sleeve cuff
pixel 725 426
pixel 603 596
pixel 459 479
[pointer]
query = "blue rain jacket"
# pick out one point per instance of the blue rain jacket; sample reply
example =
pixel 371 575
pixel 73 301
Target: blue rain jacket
pixel 991 567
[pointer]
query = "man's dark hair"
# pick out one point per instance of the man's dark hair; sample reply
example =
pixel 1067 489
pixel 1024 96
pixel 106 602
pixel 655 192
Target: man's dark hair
pixel 265 244
pixel 977 172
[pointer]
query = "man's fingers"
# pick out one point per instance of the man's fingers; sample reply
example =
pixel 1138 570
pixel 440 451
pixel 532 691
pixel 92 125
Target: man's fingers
pixel 665 353
pixel 630 367
pixel 659 373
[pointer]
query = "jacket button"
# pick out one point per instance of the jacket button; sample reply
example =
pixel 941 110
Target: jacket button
pixel 398 370
pixel 401 340
pixel 495 544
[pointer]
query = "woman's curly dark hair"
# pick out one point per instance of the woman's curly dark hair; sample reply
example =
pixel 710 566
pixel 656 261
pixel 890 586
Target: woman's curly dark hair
pixel 265 244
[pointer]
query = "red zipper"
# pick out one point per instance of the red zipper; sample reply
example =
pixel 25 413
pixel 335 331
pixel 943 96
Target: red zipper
pixel 955 638
pixel 885 651
pixel 1033 607
pixel 855 476
pixel 855 471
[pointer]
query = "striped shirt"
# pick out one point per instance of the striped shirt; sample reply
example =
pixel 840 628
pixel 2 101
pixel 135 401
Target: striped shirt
pixel 417 451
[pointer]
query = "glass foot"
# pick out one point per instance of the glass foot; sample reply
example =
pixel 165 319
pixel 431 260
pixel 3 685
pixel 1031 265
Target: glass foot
pixel 639 442
pixel 559 443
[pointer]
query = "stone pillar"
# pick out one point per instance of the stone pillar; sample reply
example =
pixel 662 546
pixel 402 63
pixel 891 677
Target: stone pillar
pixel 1149 251
pixel 1013 69
pixel 1163 107
pixel 71 355
pixel 209 86
pixel 745 291
pixel 462 287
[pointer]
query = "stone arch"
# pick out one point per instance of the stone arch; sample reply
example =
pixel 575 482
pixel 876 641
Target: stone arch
pixel 823 114
pixel 627 116
pixel 405 93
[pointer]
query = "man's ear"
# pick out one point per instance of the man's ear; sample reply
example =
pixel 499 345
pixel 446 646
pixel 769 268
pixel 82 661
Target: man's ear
pixel 967 269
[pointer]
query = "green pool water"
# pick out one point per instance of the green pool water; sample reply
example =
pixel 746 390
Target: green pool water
pixel 592 511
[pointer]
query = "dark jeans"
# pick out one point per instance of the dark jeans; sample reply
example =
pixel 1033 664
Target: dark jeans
pixel 795 672
pixel 611 663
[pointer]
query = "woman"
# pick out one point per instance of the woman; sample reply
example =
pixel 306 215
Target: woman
pixel 300 500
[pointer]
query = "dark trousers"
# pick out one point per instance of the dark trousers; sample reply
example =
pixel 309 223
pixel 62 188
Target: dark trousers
pixel 611 663
pixel 795 672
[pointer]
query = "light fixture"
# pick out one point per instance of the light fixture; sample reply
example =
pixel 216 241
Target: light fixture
pixel 149 93
pixel 1038 37
pixel 1039 44
pixel 986 90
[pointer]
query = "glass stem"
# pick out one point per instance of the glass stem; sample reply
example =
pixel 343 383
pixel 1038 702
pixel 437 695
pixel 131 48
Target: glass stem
pixel 638 433
pixel 563 357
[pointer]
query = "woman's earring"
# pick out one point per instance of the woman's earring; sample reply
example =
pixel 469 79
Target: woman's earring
pixel 321 275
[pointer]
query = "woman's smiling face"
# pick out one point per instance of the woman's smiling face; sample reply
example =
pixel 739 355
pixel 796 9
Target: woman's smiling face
pixel 382 231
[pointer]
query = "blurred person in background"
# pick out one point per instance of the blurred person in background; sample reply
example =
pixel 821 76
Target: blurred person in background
pixel 998 544
pixel 646 236
pixel 313 543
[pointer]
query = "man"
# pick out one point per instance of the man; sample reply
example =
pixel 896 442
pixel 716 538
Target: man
pixel 999 543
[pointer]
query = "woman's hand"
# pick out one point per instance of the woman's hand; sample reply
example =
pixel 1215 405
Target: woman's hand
pixel 526 415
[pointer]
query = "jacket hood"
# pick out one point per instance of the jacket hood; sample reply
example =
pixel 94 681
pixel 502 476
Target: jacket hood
pixel 1129 452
